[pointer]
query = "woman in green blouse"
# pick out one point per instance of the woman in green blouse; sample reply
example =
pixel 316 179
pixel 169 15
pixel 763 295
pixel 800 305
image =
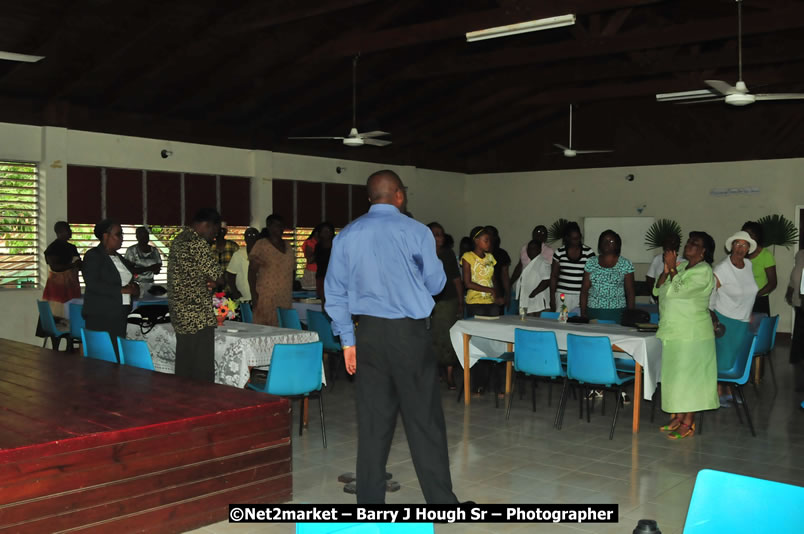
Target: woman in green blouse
pixel 764 266
pixel 689 362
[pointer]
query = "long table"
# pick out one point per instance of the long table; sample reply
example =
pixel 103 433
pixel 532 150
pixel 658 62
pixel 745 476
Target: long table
pixel 238 347
pixel 476 338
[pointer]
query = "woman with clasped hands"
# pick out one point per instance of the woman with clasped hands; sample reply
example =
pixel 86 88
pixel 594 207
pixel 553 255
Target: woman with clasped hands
pixel 689 362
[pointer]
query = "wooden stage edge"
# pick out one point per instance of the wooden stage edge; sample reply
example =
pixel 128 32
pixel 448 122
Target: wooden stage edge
pixel 90 446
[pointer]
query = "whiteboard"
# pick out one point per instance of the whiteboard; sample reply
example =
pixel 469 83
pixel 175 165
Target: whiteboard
pixel 632 231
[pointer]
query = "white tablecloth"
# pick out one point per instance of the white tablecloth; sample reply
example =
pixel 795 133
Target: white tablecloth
pixel 235 352
pixel 489 338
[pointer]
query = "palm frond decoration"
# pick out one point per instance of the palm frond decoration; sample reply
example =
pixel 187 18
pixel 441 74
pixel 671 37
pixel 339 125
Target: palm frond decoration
pixel 660 230
pixel 777 230
pixel 556 230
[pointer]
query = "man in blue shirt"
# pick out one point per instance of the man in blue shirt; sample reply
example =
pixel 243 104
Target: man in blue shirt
pixel 384 271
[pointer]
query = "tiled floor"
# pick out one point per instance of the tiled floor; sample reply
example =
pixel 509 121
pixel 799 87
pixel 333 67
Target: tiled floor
pixel 525 460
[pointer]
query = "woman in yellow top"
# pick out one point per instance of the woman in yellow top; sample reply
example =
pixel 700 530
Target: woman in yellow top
pixel 477 267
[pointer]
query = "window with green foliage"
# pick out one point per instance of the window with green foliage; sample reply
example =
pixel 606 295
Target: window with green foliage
pixel 19 225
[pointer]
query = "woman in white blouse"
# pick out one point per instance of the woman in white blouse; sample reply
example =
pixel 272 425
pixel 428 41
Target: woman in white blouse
pixel 733 299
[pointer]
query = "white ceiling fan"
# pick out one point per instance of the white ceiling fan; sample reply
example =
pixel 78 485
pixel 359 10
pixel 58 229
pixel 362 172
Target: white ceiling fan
pixel 25 58
pixel 735 95
pixel 570 152
pixel 356 138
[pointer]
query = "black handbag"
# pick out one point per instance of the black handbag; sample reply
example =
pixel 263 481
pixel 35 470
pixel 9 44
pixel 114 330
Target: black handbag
pixel 149 316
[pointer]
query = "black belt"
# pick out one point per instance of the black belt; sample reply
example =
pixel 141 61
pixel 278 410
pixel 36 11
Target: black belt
pixel 426 320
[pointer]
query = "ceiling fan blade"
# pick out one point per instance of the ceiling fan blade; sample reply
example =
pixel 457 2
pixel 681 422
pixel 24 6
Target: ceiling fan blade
pixel 318 137
pixel 702 101
pixel 780 96
pixel 561 147
pixel 721 87
pixel 592 151
pixel 376 142
pixel 686 95
pixel 373 133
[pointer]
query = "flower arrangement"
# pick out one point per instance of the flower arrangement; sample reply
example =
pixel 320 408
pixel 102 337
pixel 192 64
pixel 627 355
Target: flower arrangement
pixel 224 306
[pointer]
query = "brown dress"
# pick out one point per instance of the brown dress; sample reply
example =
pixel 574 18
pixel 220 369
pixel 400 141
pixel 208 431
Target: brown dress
pixel 274 280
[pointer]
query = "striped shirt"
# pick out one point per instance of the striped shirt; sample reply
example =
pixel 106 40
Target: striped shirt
pixel 570 273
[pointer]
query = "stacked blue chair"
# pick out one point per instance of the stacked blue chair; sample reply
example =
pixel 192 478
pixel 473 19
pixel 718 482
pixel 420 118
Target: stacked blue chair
pixel 48 323
pixel 246 313
pixel 737 376
pixel 590 361
pixel 536 354
pixel 318 323
pixel 76 322
pixel 135 353
pixel 766 340
pixel 288 318
pixel 737 504
pixel 98 345
pixel 654 318
pixel 295 372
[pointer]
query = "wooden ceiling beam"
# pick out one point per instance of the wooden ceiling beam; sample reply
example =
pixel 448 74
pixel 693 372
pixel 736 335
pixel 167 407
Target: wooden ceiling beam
pixel 457 26
pixel 639 39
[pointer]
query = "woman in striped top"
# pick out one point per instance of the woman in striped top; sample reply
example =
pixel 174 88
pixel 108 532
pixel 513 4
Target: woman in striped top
pixel 568 268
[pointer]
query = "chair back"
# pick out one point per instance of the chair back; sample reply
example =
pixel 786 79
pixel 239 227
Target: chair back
pixel 549 315
pixel 737 504
pixel 288 318
pixel 46 319
pixel 766 334
pixel 590 360
pixel 245 312
pixel 135 353
pixel 536 353
pixel 513 307
pixel 76 320
pixel 606 321
pixel 318 322
pixel 654 318
pixel 295 369
pixel 97 345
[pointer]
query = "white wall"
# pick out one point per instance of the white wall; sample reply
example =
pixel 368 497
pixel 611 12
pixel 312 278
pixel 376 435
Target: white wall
pixel 516 202
pixel 55 148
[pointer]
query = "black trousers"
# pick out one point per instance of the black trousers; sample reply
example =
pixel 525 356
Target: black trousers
pixel 762 304
pixel 397 372
pixel 195 355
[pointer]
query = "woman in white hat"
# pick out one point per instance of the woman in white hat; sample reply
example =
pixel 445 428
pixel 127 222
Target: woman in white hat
pixel 733 299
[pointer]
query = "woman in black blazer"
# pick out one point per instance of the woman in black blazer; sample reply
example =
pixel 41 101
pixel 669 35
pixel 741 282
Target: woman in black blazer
pixel 109 285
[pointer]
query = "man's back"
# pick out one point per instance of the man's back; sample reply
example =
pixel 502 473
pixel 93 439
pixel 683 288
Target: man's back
pixel 191 264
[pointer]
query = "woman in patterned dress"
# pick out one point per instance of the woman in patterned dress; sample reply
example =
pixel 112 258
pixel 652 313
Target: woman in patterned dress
pixel 270 273
pixel 608 281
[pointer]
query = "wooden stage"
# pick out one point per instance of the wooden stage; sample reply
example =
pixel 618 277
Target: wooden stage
pixel 91 446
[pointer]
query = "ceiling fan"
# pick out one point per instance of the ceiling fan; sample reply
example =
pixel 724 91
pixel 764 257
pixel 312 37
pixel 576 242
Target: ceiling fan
pixel 570 152
pixel 735 95
pixel 356 138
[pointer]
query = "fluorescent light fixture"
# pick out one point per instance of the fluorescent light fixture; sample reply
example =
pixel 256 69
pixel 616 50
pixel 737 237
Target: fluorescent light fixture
pixel 11 56
pixel 686 95
pixel 522 27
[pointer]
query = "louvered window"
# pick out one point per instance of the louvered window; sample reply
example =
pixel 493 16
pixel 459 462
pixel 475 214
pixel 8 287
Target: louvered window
pixel 19 225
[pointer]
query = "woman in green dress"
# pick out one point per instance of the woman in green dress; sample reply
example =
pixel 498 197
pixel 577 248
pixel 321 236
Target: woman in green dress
pixel 689 361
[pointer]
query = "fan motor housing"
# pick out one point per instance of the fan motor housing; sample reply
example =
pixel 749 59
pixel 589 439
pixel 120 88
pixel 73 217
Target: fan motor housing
pixel 353 141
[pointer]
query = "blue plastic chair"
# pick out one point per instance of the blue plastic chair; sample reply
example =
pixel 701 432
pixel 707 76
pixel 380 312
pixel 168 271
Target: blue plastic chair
pixel 295 371
pixel 549 315
pixel 536 354
pixel 245 312
pixel 49 327
pixel 318 323
pixel 76 322
pixel 513 307
pixel 606 321
pixel 590 361
pixel 288 318
pixel 737 504
pixel 654 318
pixel 766 340
pixel 737 376
pixel 135 353
pixel 98 345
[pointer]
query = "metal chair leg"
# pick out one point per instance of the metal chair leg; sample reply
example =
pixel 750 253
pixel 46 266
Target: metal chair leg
pixel 580 402
pixel 561 400
pixel 699 429
pixel 734 398
pixel 588 409
pixel 533 393
pixel 747 414
pixel 321 412
pixel 301 415
pixel 773 372
pixel 616 411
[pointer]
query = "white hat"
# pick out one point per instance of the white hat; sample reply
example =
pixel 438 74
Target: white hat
pixel 742 236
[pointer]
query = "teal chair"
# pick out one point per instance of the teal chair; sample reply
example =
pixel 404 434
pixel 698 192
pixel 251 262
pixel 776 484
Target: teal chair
pixel 737 504
pixel 98 345
pixel 295 372
pixel 245 312
pixel 135 353
pixel 318 323
pixel 76 322
pixel 49 327
pixel 590 362
pixel 288 318
pixel 536 354
pixel 737 376
pixel 766 340
pixel 654 318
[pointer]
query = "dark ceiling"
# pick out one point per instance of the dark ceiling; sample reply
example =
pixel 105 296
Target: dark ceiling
pixel 250 73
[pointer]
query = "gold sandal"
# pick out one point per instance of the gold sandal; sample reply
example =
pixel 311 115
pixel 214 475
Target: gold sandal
pixel 672 425
pixel 681 434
